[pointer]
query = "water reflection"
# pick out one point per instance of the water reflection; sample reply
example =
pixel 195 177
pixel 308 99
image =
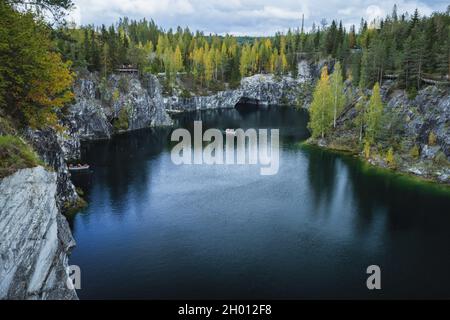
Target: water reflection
pixel 321 176
pixel 156 230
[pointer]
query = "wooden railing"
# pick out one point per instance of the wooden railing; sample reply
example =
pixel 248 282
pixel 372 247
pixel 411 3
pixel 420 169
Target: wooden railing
pixel 426 78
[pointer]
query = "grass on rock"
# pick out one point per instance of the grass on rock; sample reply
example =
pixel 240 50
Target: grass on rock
pixel 15 154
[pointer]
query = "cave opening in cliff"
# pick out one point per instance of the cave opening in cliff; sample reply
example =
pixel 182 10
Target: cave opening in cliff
pixel 246 103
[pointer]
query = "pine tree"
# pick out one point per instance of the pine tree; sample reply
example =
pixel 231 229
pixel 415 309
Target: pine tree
pixel 420 54
pixel 360 119
pixel 442 54
pixel 413 60
pixel 105 60
pixel 86 47
pixel 95 52
pixel 394 13
pixel 364 77
pixel 355 68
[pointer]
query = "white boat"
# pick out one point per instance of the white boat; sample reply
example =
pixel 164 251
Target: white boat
pixel 84 168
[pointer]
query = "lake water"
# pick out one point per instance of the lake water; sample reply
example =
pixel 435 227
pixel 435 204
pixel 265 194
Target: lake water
pixel 156 230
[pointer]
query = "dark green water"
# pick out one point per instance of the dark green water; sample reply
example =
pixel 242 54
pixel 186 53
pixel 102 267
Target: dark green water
pixel 156 230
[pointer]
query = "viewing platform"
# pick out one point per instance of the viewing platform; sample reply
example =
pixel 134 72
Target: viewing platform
pixel 127 69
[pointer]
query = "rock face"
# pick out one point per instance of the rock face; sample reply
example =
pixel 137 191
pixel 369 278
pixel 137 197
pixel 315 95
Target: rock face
pixel 146 104
pixel 100 103
pixel 263 89
pixel 88 118
pixel 47 145
pixel 426 120
pixel 258 89
pixel 34 238
pixel 428 112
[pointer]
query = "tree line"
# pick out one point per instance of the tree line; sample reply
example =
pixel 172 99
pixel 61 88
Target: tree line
pixel 405 47
pixel 37 58
pixel 208 58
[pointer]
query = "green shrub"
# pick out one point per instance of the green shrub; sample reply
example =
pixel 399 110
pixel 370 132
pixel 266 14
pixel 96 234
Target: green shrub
pixel 124 84
pixel 284 100
pixel 79 191
pixel 235 83
pixel 6 127
pixel 70 208
pixel 115 95
pixel 390 158
pixel 15 154
pixel 121 123
pixel 167 87
pixel 185 94
pixel 105 91
pixel 367 150
pixel 432 139
pixel 412 93
pixel 414 152
pixel 440 159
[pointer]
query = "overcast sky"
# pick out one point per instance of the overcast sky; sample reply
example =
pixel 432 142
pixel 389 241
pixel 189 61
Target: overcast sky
pixel 243 17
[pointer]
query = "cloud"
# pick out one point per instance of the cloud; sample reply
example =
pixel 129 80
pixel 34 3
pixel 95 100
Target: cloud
pixel 346 12
pixel 374 12
pixel 271 12
pixel 75 16
pixel 252 17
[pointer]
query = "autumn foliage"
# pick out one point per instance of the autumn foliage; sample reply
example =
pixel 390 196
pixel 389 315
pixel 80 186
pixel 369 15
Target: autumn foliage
pixel 34 81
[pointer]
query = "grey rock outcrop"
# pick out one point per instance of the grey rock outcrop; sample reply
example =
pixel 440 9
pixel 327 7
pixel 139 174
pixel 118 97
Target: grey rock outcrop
pixel 258 89
pixel 428 112
pixel 98 104
pixel 47 144
pixel 34 238
pixel 262 89
pixel 88 118
pixel 143 101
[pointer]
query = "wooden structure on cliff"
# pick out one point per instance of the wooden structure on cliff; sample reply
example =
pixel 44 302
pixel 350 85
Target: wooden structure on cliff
pixel 425 78
pixel 129 69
